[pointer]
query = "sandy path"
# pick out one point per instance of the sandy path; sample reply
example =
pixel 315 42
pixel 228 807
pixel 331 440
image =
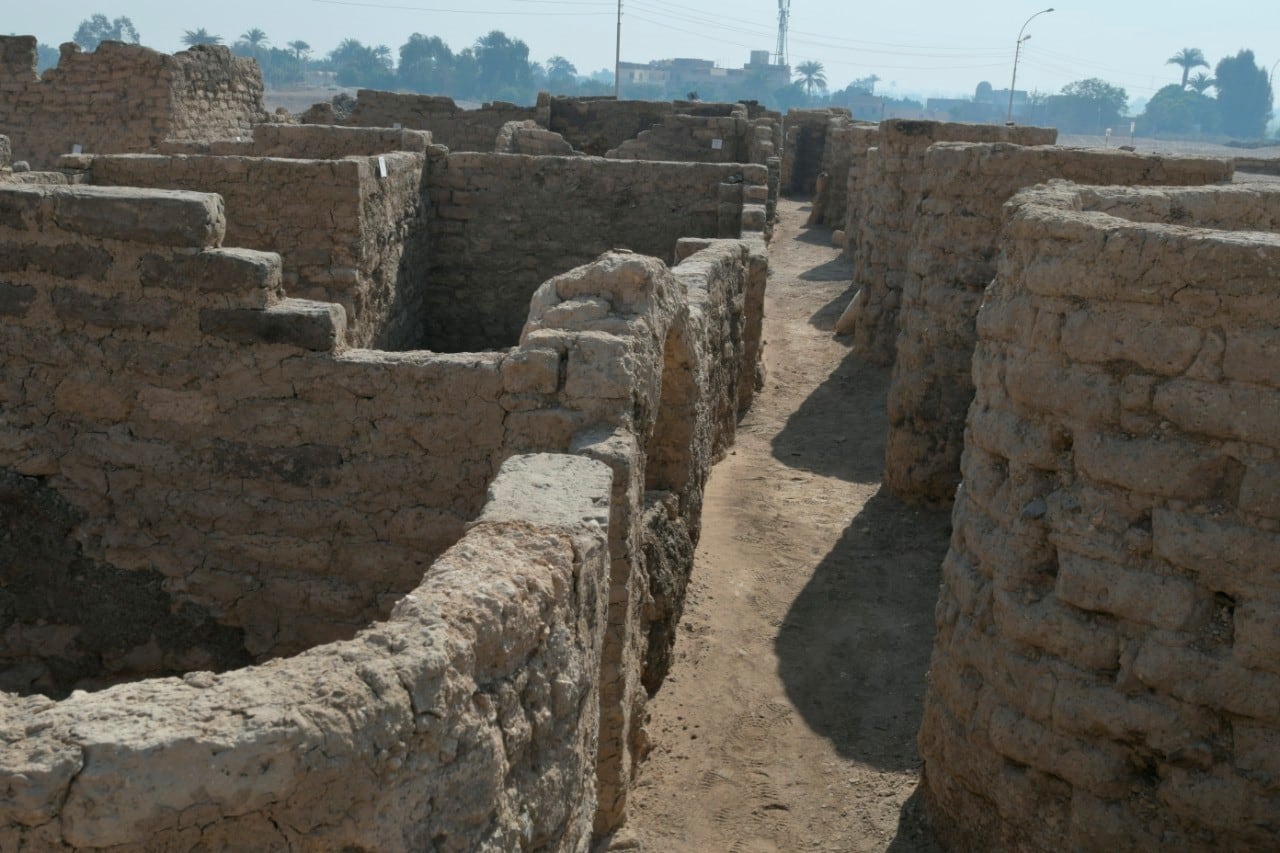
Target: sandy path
pixel 789 719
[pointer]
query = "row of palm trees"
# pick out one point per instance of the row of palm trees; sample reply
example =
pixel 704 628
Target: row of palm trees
pixel 1189 58
pixel 254 39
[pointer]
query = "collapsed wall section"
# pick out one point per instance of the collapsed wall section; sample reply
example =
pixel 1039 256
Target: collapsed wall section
pixel 346 232
pixel 954 250
pixel 123 98
pixel 455 128
pixel 691 139
pixel 890 199
pixel 501 224
pixel 598 125
pixel 1105 670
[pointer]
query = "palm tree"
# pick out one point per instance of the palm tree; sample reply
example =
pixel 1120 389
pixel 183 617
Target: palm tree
pixel 561 74
pixel 255 38
pixel 191 38
pixel 1200 82
pixel 812 75
pixel 1188 58
pixel 300 49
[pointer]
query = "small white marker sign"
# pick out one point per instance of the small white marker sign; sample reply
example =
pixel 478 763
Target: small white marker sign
pixel 77 148
pixel 717 144
pixel 382 167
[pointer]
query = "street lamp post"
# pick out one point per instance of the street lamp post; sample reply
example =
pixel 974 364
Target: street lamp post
pixel 1017 51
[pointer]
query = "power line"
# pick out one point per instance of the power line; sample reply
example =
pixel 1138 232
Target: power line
pixel 393 6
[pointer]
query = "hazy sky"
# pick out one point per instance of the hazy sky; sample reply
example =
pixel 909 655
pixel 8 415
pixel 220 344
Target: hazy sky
pixel 933 48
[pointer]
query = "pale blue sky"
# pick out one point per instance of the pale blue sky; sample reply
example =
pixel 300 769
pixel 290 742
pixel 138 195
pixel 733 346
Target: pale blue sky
pixel 933 48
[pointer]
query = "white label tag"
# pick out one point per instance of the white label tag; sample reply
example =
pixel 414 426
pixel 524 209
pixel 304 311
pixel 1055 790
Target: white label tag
pixel 397 126
pixel 77 149
pixel 382 167
pixel 717 144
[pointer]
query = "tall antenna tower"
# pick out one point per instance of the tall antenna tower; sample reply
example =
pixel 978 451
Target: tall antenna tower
pixel 784 18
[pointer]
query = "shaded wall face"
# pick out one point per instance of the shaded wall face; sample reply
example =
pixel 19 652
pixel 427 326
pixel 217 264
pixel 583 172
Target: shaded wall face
pixel 467 720
pixel 955 247
pixel 1105 671
pixel 123 98
pixel 70 621
pixel 500 225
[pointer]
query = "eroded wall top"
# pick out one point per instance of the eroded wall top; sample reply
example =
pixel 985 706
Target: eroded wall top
pixel 123 98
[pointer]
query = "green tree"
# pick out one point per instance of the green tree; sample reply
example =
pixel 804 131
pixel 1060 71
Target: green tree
pixel 191 38
pixel 503 70
pixel 1244 96
pixel 1188 58
pixel 358 64
pixel 811 76
pixel 1200 83
pixel 255 39
pixel 1174 109
pixel 562 75
pixel 96 29
pixel 426 64
pixel 866 85
pixel 1085 106
pixel 47 56
pixel 301 50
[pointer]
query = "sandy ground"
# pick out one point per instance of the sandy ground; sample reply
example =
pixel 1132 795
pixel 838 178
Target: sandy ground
pixel 790 716
pixel 1149 145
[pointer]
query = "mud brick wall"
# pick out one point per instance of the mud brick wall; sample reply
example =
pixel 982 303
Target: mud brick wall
pixel 844 152
pixel 1105 674
pixel 501 224
pixel 328 142
pixel 955 246
pixel 203 437
pixel 856 183
pixel 122 98
pixel 1258 165
pixel 652 363
pixel 805 140
pixel 890 202
pixel 526 137
pixel 687 138
pixel 345 234
pixel 468 720
pixel 598 125
pixel 201 430
pixel 450 125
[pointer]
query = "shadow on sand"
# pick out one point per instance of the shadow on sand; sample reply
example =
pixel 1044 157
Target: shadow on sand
pixel 839 430
pixel 854 647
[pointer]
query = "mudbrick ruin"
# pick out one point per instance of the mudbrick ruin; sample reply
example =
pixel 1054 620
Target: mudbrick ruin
pixel 352 463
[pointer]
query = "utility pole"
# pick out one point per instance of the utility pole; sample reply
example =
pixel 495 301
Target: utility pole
pixel 1017 51
pixel 617 59
pixel 784 18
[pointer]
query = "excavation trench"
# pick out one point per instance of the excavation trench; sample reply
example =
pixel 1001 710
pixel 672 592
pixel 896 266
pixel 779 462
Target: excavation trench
pixel 788 721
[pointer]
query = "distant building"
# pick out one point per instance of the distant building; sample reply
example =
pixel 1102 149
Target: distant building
pixel 694 73
pixel 988 105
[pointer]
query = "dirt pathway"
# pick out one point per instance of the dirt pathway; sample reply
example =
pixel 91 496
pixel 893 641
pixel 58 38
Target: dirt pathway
pixel 789 719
